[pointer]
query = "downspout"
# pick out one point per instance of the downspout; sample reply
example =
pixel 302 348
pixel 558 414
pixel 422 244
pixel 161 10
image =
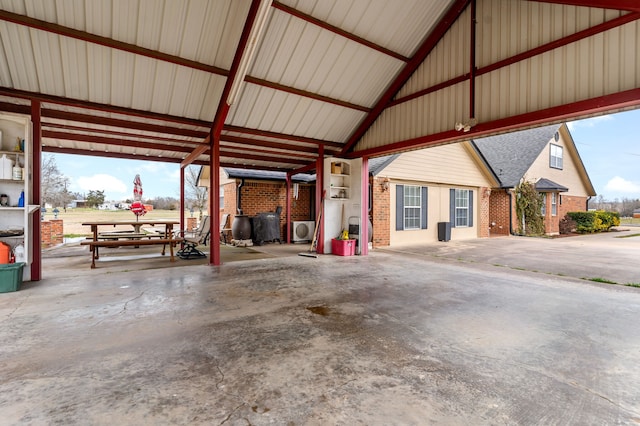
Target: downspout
pixel 587 206
pixel 239 197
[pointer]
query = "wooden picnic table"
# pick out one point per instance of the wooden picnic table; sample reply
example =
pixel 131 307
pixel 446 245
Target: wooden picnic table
pixel 134 237
pixel 136 224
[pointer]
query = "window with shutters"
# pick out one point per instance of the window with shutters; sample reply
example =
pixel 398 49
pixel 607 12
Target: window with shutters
pixel 412 205
pixel 462 207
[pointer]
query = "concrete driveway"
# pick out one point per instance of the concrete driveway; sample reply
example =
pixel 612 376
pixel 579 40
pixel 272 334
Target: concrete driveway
pixel 442 337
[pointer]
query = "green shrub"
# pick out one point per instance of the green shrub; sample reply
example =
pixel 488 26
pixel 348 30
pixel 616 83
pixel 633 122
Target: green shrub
pixel 528 209
pixel 594 221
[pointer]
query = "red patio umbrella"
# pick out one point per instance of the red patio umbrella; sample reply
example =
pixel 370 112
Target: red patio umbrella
pixel 137 207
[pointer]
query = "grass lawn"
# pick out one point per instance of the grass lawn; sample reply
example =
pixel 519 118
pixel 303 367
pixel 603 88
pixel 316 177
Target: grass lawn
pixel 630 221
pixel 73 218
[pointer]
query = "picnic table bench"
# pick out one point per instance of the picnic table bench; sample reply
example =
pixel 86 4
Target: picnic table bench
pixel 95 244
pixel 133 237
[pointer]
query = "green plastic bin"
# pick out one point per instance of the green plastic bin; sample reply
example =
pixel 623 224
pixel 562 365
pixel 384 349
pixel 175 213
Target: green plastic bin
pixel 11 277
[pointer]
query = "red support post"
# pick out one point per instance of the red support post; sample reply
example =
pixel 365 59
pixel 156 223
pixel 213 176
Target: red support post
pixel 472 62
pixel 36 174
pixel 288 209
pixel 214 197
pixel 320 199
pixel 364 203
pixel 182 223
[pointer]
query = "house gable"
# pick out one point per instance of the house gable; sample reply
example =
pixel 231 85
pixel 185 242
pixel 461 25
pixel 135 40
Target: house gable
pixel 451 164
pixel 572 175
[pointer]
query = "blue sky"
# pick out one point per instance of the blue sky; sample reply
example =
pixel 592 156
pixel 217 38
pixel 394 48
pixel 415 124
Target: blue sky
pixel 609 146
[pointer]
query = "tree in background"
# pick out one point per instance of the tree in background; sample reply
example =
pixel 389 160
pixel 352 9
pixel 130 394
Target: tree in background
pixel 164 203
pixel 53 184
pixel 95 198
pixel 195 196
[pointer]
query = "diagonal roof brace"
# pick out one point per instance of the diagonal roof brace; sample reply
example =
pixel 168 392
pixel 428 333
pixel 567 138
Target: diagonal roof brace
pixel 254 27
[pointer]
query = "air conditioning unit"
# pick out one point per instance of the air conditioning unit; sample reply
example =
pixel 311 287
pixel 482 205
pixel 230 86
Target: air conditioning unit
pixel 302 230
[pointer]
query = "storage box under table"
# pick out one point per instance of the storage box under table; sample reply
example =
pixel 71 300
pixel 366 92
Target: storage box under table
pixel 343 247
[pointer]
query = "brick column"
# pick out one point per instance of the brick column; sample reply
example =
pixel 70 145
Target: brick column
pixel 45 233
pixel 483 212
pixel 381 212
pixel 57 231
pixel 192 223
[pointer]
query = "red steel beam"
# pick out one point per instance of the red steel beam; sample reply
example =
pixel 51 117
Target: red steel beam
pixel 18 109
pixel 580 35
pixel 107 42
pixel 427 46
pixel 268 134
pixel 305 93
pixel 630 5
pixel 48 126
pixel 472 61
pixel 116 122
pixel 239 150
pixel 216 129
pixel 600 105
pixel 87 118
pixel 597 29
pixel 266 144
pixel 87 152
pixel 339 31
pixel 148 115
pixel 52 134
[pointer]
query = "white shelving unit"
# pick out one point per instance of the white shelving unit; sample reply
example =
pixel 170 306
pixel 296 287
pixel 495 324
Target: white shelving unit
pixel 340 181
pixel 14 218
pixel 343 196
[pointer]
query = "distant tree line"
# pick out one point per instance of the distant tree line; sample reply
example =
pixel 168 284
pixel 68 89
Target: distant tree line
pixel 624 206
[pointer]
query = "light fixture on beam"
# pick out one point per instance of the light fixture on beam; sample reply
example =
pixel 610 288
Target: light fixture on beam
pixel 465 127
pixel 247 55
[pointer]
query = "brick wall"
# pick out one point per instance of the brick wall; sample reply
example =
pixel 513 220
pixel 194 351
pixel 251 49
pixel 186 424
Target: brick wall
pixel 566 203
pixel 380 213
pixel 499 212
pixel 264 196
pixel 484 212
pixel 51 232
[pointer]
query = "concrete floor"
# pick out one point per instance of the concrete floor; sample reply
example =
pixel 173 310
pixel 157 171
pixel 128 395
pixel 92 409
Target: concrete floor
pixel 448 333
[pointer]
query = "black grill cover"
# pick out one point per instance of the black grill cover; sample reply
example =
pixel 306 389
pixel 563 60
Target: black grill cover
pixel 266 227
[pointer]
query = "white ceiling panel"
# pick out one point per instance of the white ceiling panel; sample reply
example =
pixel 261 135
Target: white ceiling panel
pixel 48 56
pixel 397 26
pixel 306 57
pixel 16 41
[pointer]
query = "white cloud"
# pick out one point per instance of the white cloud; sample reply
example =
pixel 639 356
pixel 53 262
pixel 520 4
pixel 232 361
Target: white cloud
pixel 588 122
pixel 622 186
pixel 101 182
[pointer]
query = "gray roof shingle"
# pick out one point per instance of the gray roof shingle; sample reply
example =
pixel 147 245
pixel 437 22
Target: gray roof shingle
pixel 510 155
pixel 234 173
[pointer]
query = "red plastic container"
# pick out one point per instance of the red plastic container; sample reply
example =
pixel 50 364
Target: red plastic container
pixel 343 247
pixel 4 253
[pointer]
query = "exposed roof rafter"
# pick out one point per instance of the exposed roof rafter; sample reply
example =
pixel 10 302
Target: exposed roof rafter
pixel 427 46
pixel 339 31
